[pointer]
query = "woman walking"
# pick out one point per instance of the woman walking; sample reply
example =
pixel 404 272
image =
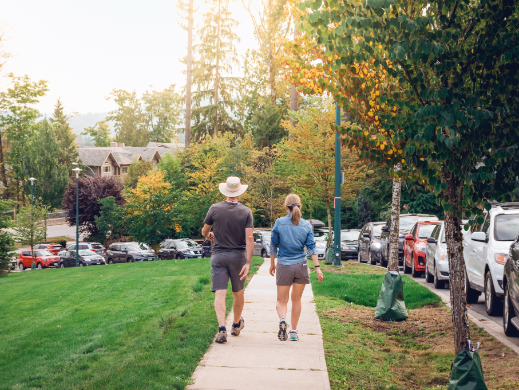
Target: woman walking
pixel 290 235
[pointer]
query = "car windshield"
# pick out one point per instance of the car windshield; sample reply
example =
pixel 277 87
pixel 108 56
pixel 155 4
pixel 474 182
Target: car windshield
pixel 463 232
pixel 350 236
pixel 43 253
pixel 266 236
pixel 425 231
pixel 137 247
pixel 86 253
pixel 186 244
pixel 97 246
pixel 507 227
pixel 407 223
pixel 377 230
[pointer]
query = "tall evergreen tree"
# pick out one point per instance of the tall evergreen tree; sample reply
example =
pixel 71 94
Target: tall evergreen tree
pixel 7 247
pixel 42 161
pixel 216 57
pixel 65 137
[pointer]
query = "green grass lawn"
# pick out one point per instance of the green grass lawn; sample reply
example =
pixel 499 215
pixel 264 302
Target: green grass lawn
pixel 124 326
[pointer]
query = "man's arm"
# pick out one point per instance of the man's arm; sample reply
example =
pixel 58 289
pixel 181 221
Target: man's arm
pixel 249 248
pixel 207 233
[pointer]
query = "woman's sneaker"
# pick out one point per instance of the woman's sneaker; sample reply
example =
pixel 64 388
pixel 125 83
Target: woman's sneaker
pixel 237 329
pixel 283 328
pixel 293 335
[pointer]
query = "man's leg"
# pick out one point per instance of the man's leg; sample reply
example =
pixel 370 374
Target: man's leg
pixel 297 293
pixel 237 306
pixel 219 306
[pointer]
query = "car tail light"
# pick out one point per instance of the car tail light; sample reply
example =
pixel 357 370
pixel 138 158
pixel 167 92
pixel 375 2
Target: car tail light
pixel 93 250
pixel 500 258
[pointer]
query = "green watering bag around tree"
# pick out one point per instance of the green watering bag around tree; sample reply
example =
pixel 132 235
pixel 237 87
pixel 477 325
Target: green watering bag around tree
pixel 390 304
pixel 329 255
pixel 466 372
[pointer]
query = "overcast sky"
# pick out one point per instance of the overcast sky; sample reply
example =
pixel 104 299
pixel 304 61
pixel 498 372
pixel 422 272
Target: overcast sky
pixel 84 49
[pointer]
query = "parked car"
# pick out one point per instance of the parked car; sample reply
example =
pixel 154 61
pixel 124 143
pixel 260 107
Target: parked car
pixel 407 221
pixel 86 258
pixel 436 257
pixel 369 243
pixel 207 249
pixel 128 252
pixel 182 248
pixel 92 246
pixel 262 243
pixel 350 244
pixel 53 248
pixel 320 246
pixel 511 291
pixel 414 247
pixel 42 259
pixel 485 249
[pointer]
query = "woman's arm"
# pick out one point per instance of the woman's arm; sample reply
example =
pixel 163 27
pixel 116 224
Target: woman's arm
pixel 310 245
pixel 274 244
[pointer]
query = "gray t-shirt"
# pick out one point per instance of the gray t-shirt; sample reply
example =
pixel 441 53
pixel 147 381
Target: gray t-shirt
pixel 229 222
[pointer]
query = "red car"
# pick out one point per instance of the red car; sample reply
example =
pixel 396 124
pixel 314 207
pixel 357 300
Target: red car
pixel 53 248
pixel 414 247
pixel 42 258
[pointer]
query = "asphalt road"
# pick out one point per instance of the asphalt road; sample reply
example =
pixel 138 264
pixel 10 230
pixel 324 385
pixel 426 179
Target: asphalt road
pixel 60 230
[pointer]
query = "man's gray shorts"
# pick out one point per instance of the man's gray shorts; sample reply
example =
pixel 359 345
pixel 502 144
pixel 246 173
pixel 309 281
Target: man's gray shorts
pixel 286 275
pixel 225 265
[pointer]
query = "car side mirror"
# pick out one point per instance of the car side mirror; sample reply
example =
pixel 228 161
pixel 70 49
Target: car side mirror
pixel 385 229
pixel 431 240
pixel 365 235
pixel 409 237
pixel 479 236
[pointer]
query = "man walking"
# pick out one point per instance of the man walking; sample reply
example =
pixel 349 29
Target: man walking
pixel 233 243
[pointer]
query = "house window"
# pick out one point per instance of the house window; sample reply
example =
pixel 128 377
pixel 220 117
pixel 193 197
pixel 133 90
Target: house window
pixel 106 169
pixel 125 170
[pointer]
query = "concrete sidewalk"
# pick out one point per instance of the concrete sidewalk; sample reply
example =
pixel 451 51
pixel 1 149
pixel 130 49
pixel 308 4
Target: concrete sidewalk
pixel 257 359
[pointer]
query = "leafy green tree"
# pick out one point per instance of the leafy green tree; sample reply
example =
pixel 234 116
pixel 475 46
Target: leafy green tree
pixel 42 161
pixel 16 127
pixel 111 222
pixel 29 228
pixel 171 165
pixel 266 125
pixel 100 134
pixel 128 119
pixel 136 170
pixel 65 137
pixel 363 211
pixel 216 56
pixel 453 70
pixel 161 113
pixel 7 242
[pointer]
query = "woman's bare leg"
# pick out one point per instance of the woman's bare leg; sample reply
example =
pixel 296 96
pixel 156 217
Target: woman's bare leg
pixel 282 301
pixel 297 293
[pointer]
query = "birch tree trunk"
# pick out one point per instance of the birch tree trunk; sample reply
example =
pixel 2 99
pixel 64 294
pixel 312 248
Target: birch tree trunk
pixel 294 96
pixel 454 240
pixel 394 233
pixel 271 55
pixel 217 70
pixel 189 75
pixel 3 172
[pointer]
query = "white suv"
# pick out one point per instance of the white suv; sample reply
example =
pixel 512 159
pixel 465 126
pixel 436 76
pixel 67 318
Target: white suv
pixel 485 250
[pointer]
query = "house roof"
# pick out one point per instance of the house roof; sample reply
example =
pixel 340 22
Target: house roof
pixel 96 156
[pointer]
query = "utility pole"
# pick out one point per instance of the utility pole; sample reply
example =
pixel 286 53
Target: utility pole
pixel 77 170
pixel 33 265
pixel 337 200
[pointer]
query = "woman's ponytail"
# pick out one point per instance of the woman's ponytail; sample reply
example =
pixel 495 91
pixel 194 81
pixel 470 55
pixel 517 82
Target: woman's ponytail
pixel 293 202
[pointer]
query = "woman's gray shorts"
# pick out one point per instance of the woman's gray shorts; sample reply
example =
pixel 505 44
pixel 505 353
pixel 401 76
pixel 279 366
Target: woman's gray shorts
pixel 225 265
pixel 286 275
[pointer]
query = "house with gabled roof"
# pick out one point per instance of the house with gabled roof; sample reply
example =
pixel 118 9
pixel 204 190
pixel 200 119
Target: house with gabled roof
pixel 114 160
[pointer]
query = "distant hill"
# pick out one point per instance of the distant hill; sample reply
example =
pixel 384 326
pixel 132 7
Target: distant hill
pixel 81 121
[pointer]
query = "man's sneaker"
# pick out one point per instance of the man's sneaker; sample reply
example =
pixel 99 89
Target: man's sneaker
pixel 293 335
pixel 221 337
pixel 236 330
pixel 283 327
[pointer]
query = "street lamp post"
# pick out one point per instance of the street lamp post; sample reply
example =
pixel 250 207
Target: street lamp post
pixel 77 170
pixel 337 199
pixel 33 265
pixel 78 163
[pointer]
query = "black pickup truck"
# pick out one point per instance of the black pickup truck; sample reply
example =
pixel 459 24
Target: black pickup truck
pixel 407 221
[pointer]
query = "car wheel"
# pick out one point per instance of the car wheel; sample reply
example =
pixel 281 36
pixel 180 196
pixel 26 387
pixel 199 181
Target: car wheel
pixel 414 272
pixel 438 284
pixel 371 261
pixel 110 261
pixel 81 265
pixel 508 314
pixel 472 295
pixel 383 261
pixel 428 277
pixel 62 265
pixel 491 299
pixel 407 270
pixel 39 266
pixel 21 267
pixel 263 253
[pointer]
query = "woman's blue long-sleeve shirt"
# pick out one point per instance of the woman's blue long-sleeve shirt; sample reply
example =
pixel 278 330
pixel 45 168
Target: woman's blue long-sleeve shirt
pixel 288 241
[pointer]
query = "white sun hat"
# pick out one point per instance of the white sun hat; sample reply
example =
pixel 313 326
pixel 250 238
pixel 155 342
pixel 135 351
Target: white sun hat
pixel 232 187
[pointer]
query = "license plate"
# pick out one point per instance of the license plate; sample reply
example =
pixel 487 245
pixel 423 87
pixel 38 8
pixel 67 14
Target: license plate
pixel 98 262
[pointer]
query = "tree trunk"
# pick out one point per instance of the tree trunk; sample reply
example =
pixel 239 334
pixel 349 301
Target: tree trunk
pixel 216 80
pixel 311 222
pixel 394 233
pixel 330 231
pixel 271 56
pixel 187 131
pixel 294 96
pixel 454 240
pixel 3 173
